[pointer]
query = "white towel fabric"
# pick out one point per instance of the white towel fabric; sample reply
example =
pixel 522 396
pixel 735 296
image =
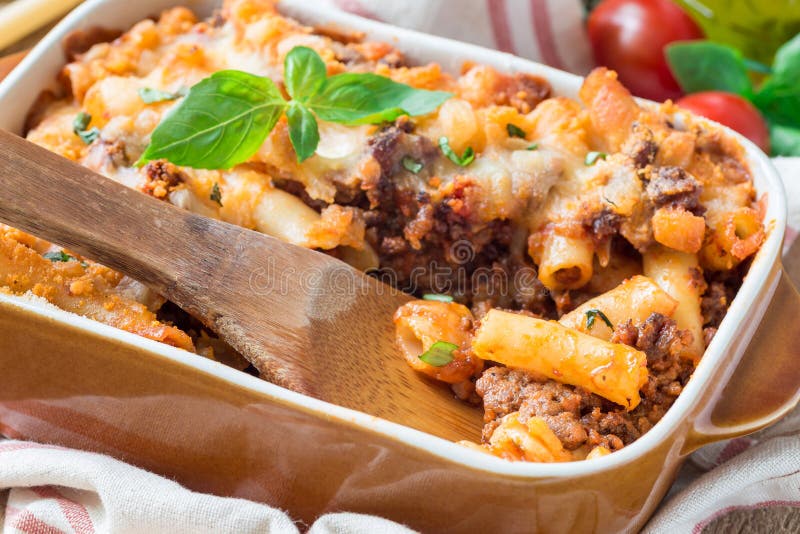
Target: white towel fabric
pixel 48 489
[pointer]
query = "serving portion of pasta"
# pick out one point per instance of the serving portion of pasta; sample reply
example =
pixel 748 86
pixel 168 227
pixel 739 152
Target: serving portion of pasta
pixel 572 257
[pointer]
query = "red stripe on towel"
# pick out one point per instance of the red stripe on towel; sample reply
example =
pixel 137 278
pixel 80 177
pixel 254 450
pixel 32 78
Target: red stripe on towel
pixel 76 514
pixel 501 29
pixel 543 32
pixel 26 522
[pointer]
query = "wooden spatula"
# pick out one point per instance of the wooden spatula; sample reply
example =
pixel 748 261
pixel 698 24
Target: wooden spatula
pixel 307 321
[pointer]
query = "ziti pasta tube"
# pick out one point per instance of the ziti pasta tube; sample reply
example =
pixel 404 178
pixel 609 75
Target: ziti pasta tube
pixel 635 299
pixel 679 275
pixel 611 370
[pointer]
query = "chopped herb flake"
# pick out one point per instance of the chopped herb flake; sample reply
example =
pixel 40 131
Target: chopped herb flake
pixel 151 96
pixel 79 125
pixel 592 157
pixel 515 131
pixel 58 256
pixel 465 159
pixel 412 165
pixel 533 146
pixel 592 314
pixel 437 297
pixel 88 136
pixel 216 195
pixel 440 353
pixel 81 121
pixel 610 201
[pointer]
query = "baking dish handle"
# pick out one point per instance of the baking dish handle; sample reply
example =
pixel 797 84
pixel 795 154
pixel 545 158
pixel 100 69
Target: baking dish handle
pixel 765 385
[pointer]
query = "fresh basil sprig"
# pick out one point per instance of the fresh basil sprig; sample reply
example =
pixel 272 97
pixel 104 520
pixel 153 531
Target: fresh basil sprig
pixel 707 66
pixel 226 117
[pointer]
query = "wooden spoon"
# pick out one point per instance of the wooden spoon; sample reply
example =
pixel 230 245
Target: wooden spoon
pixel 307 321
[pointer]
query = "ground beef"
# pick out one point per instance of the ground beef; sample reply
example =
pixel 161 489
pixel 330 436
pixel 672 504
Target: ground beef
pixel 674 187
pixel 79 41
pixel 162 177
pixel 714 304
pixel 522 91
pixel 442 247
pixel 603 225
pixel 642 152
pixel 580 418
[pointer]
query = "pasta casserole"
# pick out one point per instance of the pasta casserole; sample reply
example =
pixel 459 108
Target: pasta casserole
pixel 571 258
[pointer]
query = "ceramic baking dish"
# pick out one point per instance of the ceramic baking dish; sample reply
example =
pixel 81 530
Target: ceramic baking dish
pixel 68 380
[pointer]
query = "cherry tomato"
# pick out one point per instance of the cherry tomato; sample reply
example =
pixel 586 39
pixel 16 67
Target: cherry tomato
pixel 629 36
pixel 731 110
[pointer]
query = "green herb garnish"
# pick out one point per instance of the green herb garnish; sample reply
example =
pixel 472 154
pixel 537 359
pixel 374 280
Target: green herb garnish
pixel 226 117
pixel 151 96
pixel 58 256
pixel 592 157
pixel 79 125
pixel 706 66
pixel 610 201
pixel 532 146
pixel 709 66
pixel 465 159
pixel 81 121
pixel 440 353
pixel 216 195
pixel 411 165
pixel 515 131
pixel 437 297
pixel 592 314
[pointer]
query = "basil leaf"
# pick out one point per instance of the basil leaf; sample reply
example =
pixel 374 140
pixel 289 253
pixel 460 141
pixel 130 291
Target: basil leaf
pixel 592 157
pixel 440 353
pixel 303 131
pixel 592 314
pixel 706 66
pixel 151 96
pixel 366 98
pixel 411 165
pixel 216 194
pixel 784 140
pixel 303 72
pixel 437 297
pixel 58 256
pixel 779 102
pixel 465 159
pixel 515 131
pixel 222 122
pixel 779 97
pixel 786 66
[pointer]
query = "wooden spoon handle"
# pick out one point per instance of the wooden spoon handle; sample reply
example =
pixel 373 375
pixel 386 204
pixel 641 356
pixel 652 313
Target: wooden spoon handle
pixel 68 204
pixel 247 287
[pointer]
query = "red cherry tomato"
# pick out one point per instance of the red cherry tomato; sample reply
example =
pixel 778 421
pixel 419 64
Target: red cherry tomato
pixel 731 110
pixel 629 36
